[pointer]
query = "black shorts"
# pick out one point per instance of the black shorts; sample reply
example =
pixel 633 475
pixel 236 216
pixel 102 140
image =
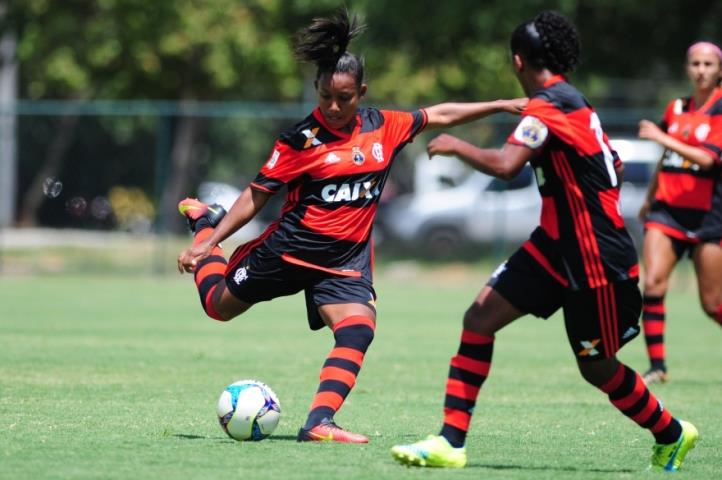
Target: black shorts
pixel 261 275
pixel 598 321
pixel 683 242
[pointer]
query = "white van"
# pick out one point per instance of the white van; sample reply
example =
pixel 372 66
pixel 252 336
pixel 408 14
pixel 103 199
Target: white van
pixel 453 205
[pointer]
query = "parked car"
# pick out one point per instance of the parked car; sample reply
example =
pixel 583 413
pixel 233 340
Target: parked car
pixel 447 211
pixel 225 194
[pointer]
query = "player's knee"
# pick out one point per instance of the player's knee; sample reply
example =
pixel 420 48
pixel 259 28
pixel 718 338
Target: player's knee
pixel 355 332
pixel 712 307
pixel 478 321
pixel 216 315
pixel 655 284
pixel 598 372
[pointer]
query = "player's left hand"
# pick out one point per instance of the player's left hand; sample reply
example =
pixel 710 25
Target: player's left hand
pixel 444 144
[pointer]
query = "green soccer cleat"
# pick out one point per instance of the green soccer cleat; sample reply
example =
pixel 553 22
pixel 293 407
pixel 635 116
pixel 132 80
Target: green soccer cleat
pixel 435 451
pixel 669 456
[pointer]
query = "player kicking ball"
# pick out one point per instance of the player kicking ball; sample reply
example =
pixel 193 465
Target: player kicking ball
pixel 580 259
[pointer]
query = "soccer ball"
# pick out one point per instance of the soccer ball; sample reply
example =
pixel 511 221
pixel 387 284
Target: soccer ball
pixel 248 410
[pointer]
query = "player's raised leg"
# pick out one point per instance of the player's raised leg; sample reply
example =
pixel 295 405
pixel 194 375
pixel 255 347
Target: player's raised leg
pixel 209 273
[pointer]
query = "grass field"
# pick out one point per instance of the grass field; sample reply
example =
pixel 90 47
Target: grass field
pixel 117 377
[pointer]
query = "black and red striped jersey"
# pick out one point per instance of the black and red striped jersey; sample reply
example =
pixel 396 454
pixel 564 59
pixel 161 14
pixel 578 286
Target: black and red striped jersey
pixel 334 182
pixel 688 196
pixel 581 240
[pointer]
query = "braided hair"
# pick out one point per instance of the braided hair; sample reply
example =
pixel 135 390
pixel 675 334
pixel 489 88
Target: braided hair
pixel 324 43
pixel 549 41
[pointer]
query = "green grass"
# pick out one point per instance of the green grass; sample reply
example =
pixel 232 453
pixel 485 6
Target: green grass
pixel 117 377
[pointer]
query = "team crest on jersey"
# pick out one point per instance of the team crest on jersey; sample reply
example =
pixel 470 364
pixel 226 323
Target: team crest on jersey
pixel 378 152
pixel 311 140
pixel 531 132
pixel 274 158
pixel 357 155
pixel 702 131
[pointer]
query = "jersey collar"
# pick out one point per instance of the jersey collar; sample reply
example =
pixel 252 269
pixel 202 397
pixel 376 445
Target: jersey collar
pixel 341 134
pixel 714 97
pixel 554 79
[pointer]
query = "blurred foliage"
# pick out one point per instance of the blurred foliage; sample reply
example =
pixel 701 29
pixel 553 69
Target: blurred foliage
pixel 416 51
pixel 131 206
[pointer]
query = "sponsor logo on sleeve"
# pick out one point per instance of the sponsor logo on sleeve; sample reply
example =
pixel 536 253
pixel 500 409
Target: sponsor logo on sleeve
pixel 274 159
pixel 311 140
pixel 531 132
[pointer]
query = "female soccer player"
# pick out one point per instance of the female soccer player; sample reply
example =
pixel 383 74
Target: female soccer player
pixel 580 259
pixel 683 211
pixel 335 164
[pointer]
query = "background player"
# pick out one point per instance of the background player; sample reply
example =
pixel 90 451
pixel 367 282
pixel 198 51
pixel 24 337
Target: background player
pixel 683 211
pixel 335 164
pixel 580 258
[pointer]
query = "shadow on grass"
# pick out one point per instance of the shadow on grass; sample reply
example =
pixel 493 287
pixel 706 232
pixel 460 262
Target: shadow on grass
pixel 185 436
pixel 545 468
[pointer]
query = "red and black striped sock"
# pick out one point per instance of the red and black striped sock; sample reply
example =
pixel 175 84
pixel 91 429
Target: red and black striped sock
pixel 653 314
pixel 630 395
pixel 209 273
pixel 467 371
pixel 338 376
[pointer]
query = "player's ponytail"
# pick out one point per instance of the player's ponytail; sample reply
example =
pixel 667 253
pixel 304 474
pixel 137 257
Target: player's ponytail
pixel 549 41
pixel 325 44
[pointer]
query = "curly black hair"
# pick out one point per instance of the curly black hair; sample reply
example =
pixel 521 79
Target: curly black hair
pixel 325 43
pixel 549 41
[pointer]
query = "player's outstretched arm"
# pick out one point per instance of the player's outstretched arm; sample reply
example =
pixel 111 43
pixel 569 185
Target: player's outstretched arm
pixel 246 206
pixel 650 131
pixel 451 114
pixel 504 163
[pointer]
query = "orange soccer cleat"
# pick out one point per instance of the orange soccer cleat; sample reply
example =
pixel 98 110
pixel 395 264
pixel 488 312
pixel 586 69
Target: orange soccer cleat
pixel 194 210
pixel 328 431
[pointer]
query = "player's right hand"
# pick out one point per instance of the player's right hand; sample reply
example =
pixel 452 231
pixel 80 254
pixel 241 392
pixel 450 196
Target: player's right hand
pixel 189 258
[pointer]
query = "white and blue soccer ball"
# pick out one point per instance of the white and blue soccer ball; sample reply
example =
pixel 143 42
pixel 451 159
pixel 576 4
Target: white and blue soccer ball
pixel 248 410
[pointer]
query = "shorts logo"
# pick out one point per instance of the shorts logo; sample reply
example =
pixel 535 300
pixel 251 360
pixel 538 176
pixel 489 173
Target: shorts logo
pixel 311 140
pixel 588 348
pixel 358 156
pixel 332 158
pixel 241 275
pixel 499 270
pixel 631 331
pixel 378 152
pixel 274 158
pixel 531 132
